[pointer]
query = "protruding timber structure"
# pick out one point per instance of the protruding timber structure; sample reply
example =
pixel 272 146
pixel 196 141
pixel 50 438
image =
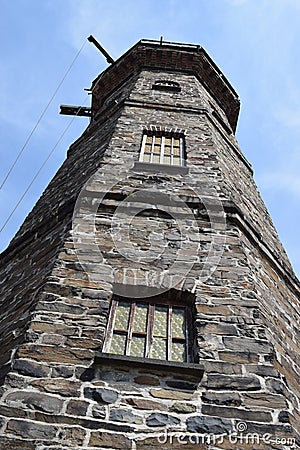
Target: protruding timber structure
pixel 146 301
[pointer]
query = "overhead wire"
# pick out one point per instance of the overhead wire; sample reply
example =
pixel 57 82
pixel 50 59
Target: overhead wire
pixel 41 116
pixel 53 148
pixel 38 172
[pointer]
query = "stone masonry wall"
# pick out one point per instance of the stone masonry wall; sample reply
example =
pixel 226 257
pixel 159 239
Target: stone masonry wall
pixel 57 395
pixel 29 259
pixel 24 269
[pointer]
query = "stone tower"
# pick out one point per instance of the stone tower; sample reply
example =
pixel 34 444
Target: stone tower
pixel 146 301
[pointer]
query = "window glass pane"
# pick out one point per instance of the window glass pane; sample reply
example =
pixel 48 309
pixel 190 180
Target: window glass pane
pixel 168 141
pixel 178 322
pixel 149 139
pixel 140 318
pixel 176 151
pixel 165 343
pixel 159 348
pixel 176 162
pixel 178 351
pixel 122 316
pixel 167 150
pixel 157 149
pixel 160 321
pixel 148 148
pixel 156 159
pixel 137 347
pixel 117 345
pixel 146 157
pixel 157 140
pixel 167 159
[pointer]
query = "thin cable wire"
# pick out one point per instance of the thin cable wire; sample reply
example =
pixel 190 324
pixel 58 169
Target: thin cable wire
pixel 39 171
pixel 41 116
pixel 52 150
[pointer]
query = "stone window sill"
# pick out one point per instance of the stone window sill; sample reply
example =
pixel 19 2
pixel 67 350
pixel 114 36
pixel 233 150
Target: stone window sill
pixel 165 168
pixel 172 367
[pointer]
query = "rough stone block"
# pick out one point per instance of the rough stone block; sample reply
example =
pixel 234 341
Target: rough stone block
pixel 15 444
pixel 73 437
pixel 9 411
pixel 224 368
pixel 277 431
pixel 46 327
pixel 99 412
pixel 284 417
pixel 213 310
pixel 263 370
pixel 232 399
pixel 239 357
pixel 264 400
pixel 168 441
pixel 182 385
pixel 210 425
pixel 248 345
pixel 101 395
pixel 237 413
pixel 217 328
pixel 143 403
pixel 62 372
pixel 124 415
pixel 228 382
pixel 42 402
pixel 31 430
pixel 182 408
pixel 77 407
pixel 161 420
pixel 171 395
pixel 62 387
pixel 85 374
pixel 52 339
pixel 49 353
pixel 275 385
pixel 31 368
pixel 116 441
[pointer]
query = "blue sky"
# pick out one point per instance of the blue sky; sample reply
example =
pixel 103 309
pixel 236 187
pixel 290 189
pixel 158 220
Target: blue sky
pixel 254 42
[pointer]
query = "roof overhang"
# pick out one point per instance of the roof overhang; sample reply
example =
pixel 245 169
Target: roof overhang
pixel 161 55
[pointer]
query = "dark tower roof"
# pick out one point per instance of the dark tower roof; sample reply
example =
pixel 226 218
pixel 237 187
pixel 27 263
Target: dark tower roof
pixel 161 55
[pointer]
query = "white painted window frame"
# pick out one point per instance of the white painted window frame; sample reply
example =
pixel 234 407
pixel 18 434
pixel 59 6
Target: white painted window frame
pixel 182 161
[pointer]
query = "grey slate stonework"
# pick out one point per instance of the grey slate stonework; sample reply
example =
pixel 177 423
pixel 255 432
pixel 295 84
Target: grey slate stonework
pixel 56 291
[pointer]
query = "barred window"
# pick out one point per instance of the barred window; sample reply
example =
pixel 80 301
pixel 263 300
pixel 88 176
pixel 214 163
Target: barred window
pixel 166 85
pixel 163 148
pixel 149 329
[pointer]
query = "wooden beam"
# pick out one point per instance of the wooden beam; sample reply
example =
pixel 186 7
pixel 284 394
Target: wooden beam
pixel 69 110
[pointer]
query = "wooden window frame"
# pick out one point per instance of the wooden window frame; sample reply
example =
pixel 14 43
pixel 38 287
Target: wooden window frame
pixel 162 136
pixel 149 333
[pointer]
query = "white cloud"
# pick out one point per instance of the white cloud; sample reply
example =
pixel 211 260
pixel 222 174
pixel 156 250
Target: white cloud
pixel 289 116
pixel 287 110
pixel 281 181
pixel 112 23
